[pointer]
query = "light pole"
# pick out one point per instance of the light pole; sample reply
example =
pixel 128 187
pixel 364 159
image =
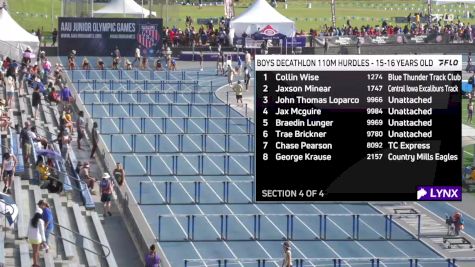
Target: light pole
pixel 429 3
pixel 333 13
pixel 52 15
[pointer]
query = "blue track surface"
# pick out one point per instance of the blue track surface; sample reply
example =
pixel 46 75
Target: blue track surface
pixel 179 149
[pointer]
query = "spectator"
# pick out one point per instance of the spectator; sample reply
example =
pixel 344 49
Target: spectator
pixel 54 96
pixel 66 98
pixel 43 171
pixel 107 188
pixel 37 138
pixel 68 119
pixel 8 171
pixel 55 36
pixel 36 101
pixel 25 143
pixel 86 177
pixel 10 88
pixel 65 143
pixel 151 258
pixel 94 139
pixel 36 235
pixel 48 219
pixel 80 127
pixel 119 174
pixel 55 186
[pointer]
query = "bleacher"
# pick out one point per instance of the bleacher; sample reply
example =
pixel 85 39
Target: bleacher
pixel 74 224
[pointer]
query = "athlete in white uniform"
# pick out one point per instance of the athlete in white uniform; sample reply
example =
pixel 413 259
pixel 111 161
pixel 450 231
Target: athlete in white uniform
pixel 287 255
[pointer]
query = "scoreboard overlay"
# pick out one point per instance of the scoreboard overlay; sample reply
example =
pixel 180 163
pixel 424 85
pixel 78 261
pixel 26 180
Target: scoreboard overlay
pixel 357 127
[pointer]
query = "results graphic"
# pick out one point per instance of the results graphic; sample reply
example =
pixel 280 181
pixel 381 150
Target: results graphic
pixel 356 128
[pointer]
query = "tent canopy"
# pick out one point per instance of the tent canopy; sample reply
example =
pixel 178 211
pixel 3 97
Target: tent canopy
pixel 125 7
pixel 258 16
pixel 14 39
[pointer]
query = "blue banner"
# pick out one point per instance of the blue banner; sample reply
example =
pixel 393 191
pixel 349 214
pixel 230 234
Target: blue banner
pixel 298 41
pixel 101 36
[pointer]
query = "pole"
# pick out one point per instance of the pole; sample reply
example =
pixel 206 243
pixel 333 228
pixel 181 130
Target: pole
pixel 333 13
pixel 142 10
pixel 150 8
pixel 92 8
pixel 52 15
pixel 429 3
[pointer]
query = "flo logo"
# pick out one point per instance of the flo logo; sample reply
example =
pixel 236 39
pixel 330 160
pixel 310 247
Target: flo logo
pixel 269 31
pixel 439 193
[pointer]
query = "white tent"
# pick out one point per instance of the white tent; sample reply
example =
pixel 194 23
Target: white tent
pixel 125 7
pixel 258 16
pixel 14 39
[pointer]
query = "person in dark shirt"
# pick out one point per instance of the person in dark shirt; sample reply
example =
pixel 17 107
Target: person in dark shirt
pixel 36 100
pixel 55 36
pixel 95 139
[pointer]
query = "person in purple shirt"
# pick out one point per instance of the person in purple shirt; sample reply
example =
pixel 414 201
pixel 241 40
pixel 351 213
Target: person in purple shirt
pixel 151 258
pixel 66 97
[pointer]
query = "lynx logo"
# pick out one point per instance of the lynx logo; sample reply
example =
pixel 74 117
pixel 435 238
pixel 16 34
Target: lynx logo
pixel 269 31
pixel 439 193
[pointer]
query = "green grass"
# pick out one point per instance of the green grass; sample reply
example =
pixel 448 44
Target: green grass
pixel 468 151
pixel 364 12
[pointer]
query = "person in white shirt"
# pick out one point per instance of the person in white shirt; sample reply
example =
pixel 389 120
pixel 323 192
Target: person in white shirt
pixel 287 255
pixel 247 59
pixel 36 235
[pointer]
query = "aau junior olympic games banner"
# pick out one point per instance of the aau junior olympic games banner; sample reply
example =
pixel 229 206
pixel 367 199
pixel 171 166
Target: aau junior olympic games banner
pixel 100 36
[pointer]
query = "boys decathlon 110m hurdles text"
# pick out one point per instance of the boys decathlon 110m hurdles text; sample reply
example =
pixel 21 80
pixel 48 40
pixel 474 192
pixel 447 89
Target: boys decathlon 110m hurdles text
pixel 357 128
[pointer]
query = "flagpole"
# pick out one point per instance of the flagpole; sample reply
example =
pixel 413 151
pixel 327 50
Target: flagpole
pixel 92 8
pixel 142 10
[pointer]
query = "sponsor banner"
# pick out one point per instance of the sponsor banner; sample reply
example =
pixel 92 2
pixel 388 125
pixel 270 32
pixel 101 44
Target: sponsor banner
pixel 298 41
pixel 100 36
pixel 453 193
pixel 393 39
pixel 268 33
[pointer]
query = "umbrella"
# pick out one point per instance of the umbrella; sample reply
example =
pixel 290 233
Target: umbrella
pixel 49 154
pixel 8 208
